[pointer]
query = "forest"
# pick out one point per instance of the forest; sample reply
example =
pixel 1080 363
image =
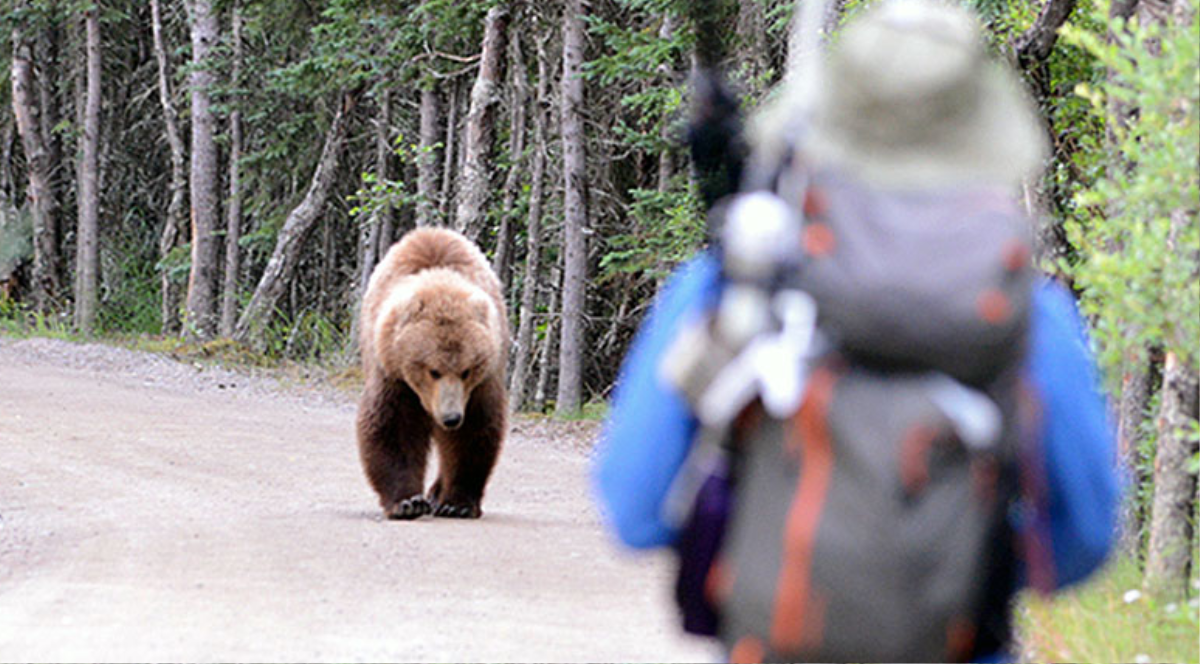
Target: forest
pixel 230 171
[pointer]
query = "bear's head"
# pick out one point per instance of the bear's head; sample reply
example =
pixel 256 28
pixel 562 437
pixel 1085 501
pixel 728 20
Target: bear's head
pixel 439 335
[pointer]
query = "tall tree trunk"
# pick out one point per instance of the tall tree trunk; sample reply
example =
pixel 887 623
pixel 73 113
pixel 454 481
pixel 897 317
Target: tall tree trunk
pixel 368 233
pixel 282 265
pixel 202 280
pixel 1137 386
pixel 666 165
pixel 1171 530
pixel 385 234
pixel 427 160
pixel 1034 46
pixel 1136 380
pixel 27 111
pixel 516 150
pixel 399 221
pixel 523 348
pixel 550 343
pixel 8 185
pixel 481 121
pixel 449 157
pixel 48 56
pixel 173 226
pixel 570 361
pixel 87 237
pixel 1138 373
pixel 328 257
pixel 233 210
pixel 1172 526
pixel 382 216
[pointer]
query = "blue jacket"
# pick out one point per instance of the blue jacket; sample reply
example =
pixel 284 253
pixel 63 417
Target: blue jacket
pixel 650 428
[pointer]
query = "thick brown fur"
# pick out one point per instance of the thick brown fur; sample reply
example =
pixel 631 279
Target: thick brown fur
pixel 434 340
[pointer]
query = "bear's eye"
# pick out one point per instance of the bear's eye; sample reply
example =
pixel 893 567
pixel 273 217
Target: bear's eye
pixel 465 374
pixel 435 374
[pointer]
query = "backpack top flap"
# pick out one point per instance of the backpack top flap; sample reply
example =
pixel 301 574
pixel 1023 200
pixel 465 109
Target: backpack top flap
pixel 926 280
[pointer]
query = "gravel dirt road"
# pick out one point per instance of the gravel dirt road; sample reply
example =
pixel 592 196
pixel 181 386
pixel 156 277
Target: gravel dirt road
pixel 158 511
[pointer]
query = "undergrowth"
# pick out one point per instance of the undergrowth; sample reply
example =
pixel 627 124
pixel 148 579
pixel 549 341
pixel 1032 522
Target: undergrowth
pixel 325 361
pixel 17 320
pixel 1110 619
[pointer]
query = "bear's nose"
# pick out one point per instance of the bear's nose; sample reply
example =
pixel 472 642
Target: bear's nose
pixel 452 420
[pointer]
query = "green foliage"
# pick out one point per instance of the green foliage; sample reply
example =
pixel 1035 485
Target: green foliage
pixel 353 44
pixel 1077 133
pixel 177 263
pixel 16 239
pixel 447 26
pixel 131 292
pixel 1139 239
pixel 632 54
pixel 312 336
pixel 641 65
pixel 779 16
pixel 36 14
pixel 20 320
pixel 376 195
pixel 669 228
pixel 1108 619
pixel 1139 495
pixel 592 411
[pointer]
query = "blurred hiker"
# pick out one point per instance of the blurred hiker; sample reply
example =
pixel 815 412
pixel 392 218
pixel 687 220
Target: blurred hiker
pixel 860 419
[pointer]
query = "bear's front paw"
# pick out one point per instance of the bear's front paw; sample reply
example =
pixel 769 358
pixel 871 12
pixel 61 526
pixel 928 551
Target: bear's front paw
pixel 409 508
pixel 458 510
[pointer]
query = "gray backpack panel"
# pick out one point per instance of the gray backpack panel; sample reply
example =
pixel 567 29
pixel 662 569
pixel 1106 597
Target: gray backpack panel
pixel 865 541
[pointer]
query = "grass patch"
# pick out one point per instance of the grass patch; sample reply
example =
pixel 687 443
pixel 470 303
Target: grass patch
pixel 1110 619
pixel 333 369
pixel 348 379
pixel 592 411
pixel 17 320
pixel 220 352
pixel 234 356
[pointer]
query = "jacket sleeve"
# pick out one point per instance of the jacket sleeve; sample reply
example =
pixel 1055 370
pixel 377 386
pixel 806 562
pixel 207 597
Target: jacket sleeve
pixel 649 428
pixel 1079 460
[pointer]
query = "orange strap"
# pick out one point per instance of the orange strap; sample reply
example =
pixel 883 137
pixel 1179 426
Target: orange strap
pixel 797 621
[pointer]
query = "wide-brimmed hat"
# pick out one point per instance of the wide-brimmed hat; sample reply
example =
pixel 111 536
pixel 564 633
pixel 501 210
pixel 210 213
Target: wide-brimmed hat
pixel 908 97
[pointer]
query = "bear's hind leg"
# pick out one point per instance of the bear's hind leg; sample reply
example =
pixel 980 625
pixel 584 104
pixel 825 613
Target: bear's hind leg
pixel 393 443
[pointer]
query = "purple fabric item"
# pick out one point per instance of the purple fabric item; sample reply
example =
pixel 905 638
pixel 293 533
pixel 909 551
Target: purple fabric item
pixel 698 545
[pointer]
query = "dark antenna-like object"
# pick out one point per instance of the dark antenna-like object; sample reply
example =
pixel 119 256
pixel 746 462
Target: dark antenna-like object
pixel 714 135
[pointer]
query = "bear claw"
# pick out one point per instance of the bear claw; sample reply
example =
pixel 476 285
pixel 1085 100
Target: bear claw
pixel 453 511
pixel 409 508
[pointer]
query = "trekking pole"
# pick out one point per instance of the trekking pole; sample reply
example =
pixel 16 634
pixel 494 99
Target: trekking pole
pixel 795 94
pixel 714 134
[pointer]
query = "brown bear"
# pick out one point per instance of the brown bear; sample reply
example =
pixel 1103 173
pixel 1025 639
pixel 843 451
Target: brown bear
pixel 434 342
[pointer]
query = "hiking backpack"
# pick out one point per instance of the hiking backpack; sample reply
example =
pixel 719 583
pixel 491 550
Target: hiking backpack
pixel 871 524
